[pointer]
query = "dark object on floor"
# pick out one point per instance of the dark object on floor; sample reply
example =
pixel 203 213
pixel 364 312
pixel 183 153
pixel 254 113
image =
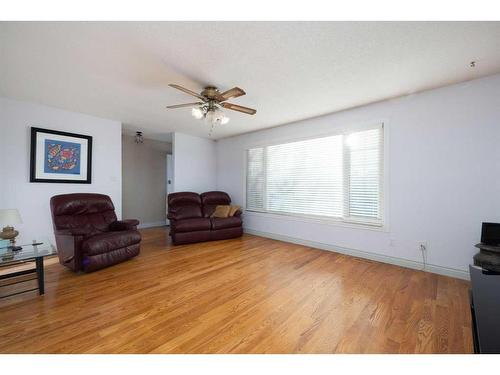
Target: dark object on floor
pixel 191 221
pixel 485 310
pixel 488 257
pixel 88 236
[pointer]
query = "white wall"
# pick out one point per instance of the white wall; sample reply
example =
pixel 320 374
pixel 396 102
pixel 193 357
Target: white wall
pixel 194 163
pixel 443 173
pixel 32 199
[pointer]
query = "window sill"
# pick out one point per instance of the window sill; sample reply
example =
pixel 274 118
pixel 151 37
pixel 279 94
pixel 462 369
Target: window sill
pixel 322 221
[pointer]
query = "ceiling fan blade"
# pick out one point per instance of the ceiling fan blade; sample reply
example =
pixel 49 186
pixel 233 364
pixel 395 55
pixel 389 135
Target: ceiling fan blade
pixel 231 93
pixel 187 91
pixel 184 105
pixel 239 108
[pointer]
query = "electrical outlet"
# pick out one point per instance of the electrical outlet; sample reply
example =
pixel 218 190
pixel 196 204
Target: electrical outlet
pixel 423 246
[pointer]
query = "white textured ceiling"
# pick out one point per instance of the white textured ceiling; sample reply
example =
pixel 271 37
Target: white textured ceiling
pixel 290 70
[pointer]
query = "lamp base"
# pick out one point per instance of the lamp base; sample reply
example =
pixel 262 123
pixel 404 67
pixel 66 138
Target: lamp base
pixel 8 233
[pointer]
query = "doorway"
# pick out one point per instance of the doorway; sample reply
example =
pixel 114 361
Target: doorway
pixel 170 180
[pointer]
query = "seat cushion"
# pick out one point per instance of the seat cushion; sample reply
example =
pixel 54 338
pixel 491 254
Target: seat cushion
pixel 227 222
pixel 109 241
pixel 191 225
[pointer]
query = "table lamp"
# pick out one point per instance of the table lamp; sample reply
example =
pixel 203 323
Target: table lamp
pixel 8 217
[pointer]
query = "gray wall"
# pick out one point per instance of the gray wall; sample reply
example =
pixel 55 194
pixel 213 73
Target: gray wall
pixel 194 163
pixel 144 180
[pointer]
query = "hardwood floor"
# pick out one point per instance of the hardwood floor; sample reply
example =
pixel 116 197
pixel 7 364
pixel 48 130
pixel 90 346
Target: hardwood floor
pixel 248 295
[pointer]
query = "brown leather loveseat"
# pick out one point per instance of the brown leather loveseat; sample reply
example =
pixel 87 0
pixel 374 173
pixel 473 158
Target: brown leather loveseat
pixel 191 221
pixel 88 236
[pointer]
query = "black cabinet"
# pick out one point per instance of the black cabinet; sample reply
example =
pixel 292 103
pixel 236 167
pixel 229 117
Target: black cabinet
pixel 485 310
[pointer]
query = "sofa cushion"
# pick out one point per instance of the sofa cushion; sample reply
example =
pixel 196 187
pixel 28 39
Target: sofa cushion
pixel 192 225
pixel 184 198
pixel 184 205
pixel 109 241
pixel 214 198
pixel 94 212
pixel 223 223
pixel 119 225
pixel 211 199
pixel 185 212
pixel 80 204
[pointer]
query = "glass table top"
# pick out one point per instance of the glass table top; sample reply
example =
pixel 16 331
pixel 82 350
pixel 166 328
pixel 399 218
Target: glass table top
pixel 30 249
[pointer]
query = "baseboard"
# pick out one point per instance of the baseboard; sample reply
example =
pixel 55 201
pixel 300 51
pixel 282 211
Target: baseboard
pixel 152 224
pixel 452 272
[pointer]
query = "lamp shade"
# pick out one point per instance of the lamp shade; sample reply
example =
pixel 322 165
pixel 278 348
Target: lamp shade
pixel 10 216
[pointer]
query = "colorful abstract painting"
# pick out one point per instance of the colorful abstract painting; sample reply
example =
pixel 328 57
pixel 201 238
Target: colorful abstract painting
pixel 62 157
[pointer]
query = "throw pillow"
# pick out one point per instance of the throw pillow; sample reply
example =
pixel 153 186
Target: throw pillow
pixel 221 211
pixel 234 209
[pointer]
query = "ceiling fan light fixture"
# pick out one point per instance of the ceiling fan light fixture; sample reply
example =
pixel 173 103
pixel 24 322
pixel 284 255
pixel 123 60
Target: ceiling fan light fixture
pixel 210 117
pixel 224 120
pixel 215 116
pixel 197 113
pixel 138 138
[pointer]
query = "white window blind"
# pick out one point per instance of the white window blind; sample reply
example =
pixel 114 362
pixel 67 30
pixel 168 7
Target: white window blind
pixel 338 176
pixel 255 179
pixel 364 173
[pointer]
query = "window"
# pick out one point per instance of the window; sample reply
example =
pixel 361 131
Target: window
pixel 338 177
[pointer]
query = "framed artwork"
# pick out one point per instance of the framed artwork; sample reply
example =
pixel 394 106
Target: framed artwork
pixel 60 157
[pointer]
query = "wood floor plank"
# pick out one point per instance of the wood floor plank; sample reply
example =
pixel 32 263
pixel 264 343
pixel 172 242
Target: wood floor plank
pixel 247 295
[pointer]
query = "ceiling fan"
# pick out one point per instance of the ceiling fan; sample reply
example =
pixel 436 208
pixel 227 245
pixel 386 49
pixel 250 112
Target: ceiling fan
pixel 211 103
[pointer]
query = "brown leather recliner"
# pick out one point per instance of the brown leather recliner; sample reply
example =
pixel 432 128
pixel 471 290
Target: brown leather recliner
pixel 191 221
pixel 88 235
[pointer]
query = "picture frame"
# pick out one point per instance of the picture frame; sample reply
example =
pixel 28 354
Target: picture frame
pixel 60 157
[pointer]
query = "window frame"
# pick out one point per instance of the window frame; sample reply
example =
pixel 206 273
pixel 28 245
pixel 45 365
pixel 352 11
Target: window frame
pixel 350 222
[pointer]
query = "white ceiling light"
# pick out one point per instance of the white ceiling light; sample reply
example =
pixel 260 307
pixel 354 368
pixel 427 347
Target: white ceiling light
pixel 197 113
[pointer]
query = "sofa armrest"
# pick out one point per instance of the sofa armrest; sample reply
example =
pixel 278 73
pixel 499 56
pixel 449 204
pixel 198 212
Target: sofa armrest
pixel 120 225
pixel 68 248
